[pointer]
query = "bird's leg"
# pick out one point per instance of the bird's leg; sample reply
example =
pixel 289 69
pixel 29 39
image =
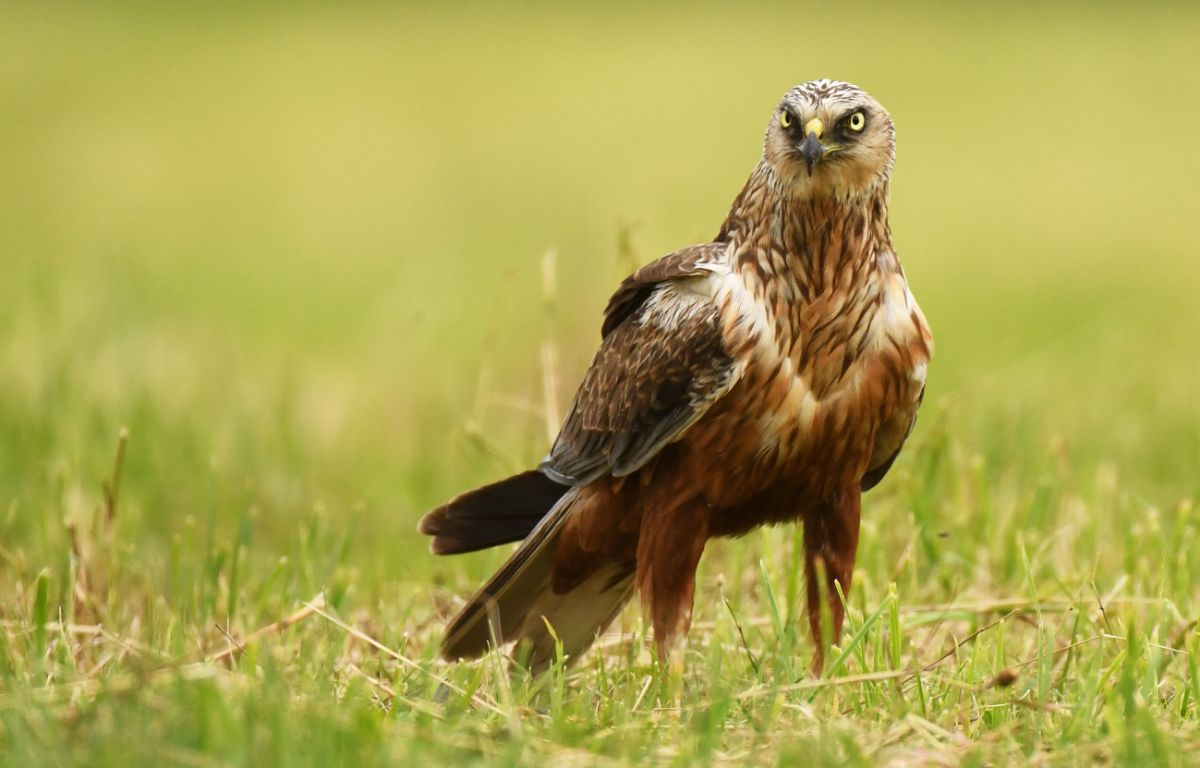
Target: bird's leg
pixel 830 544
pixel 670 543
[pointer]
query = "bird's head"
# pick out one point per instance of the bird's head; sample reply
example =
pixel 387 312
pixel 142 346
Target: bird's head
pixel 830 138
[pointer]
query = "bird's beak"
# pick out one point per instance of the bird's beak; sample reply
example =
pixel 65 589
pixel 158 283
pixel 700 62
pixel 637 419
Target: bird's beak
pixel 811 148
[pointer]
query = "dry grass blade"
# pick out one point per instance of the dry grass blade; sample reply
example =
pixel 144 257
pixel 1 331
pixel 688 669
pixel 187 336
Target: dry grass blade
pixel 829 682
pixel 552 413
pixel 235 648
pixel 391 693
pixel 363 636
pixel 112 489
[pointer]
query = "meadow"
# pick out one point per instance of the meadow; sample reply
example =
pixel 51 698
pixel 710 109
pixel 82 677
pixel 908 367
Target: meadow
pixel 276 280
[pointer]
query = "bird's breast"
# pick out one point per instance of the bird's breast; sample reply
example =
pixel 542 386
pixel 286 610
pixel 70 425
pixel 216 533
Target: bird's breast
pixel 821 375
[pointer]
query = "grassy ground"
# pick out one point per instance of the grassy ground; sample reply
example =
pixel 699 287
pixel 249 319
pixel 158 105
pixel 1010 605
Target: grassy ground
pixel 297 253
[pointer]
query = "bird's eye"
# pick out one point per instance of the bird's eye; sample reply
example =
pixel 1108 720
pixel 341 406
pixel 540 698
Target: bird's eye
pixel 785 118
pixel 856 122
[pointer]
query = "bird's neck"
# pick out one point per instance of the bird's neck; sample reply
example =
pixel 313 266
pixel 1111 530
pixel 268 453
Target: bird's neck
pixel 816 242
pixel 814 266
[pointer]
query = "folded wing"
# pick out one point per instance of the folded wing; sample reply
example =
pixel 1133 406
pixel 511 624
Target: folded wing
pixel 661 365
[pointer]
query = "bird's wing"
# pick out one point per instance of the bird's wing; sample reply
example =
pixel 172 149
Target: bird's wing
pixel 912 350
pixel 888 443
pixel 662 363
pixel 635 289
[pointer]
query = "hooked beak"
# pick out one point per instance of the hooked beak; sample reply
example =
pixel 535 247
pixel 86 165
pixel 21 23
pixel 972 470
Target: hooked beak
pixel 811 148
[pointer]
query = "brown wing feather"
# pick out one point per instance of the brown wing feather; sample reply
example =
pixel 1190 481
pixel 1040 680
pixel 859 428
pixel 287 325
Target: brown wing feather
pixel 635 289
pixel 658 369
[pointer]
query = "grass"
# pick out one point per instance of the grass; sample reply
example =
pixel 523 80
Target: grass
pixel 298 253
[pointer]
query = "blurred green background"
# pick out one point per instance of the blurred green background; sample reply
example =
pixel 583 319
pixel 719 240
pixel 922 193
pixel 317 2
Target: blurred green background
pixel 297 248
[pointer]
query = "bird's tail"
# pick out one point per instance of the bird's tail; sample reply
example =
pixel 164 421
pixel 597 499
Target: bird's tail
pixel 492 515
pixel 519 602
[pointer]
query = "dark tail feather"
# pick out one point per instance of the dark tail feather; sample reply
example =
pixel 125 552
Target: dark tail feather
pixel 492 515
pixel 518 600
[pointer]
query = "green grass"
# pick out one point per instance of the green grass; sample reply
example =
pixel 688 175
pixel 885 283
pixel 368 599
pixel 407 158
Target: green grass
pixel 297 252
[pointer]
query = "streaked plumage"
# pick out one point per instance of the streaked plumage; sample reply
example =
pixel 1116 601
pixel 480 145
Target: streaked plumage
pixel 768 376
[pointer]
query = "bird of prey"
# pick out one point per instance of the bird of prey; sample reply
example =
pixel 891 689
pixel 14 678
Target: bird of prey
pixel 768 376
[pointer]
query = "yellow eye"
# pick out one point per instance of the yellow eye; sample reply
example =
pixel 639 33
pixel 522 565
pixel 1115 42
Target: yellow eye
pixel 857 122
pixel 785 118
